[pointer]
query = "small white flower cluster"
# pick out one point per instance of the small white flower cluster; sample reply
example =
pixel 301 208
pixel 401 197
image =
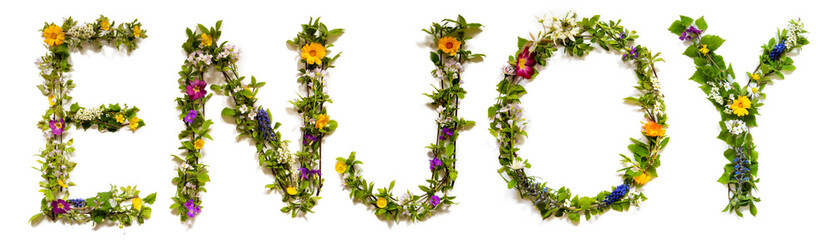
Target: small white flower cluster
pixel 516 112
pixel 657 108
pixel 43 66
pixel 714 94
pixel 88 114
pixel 243 109
pixel 451 67
pixel 230 51
pixel 736 126
pixel 82 31
pixel 796 27
pixel 654 84
pixel 284 154
pixel 198 57
pixel 509 70
pixel 562 28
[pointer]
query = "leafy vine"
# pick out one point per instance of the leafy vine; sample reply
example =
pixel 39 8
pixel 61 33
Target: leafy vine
pixel 121 205
pixel 737 112
pixel 508 124
pixel 450 37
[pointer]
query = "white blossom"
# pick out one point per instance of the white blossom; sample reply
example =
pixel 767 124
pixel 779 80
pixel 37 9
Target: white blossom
pixel 736 127
pixel 517 164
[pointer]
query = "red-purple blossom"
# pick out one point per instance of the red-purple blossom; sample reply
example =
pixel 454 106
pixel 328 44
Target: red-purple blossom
pixel 196 90
pixel 60 206
pixel 57 126
pixel 525 63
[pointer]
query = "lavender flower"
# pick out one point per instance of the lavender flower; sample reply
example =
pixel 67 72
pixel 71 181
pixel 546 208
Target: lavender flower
pixel 192 209
pixel 190 116
pixel 434 200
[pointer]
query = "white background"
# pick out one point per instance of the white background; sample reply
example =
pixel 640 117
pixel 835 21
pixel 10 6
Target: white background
pixel 578 121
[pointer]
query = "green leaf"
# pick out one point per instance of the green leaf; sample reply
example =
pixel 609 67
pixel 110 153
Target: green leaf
pixel 150 199
pixel 638 150
pixel 724 179
pixel 203 177
pixel 701 23
pixel 713 42
pixel 752 209
pixel 450 149
pixel 228 112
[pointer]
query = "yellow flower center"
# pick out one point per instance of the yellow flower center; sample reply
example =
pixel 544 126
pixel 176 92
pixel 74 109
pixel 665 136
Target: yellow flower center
pixel 105 25
pixel 60 205
pixel 59 125
pixel 381 202
pixel 449 45
pixel 521 64
pixel 196 89
pixel 312 52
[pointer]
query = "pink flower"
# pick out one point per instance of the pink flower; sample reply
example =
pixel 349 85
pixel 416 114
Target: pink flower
pixel 525 63
pixel 196 90
pixel 57 126
pixel 60 206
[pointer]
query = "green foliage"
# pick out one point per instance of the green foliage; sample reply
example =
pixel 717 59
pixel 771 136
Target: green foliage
pixel 508 126
pixel 116 205
pixel 717 81
pixel 445 98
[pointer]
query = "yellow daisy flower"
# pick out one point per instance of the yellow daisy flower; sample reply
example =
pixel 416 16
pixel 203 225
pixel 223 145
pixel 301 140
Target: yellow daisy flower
pixel 341 167
pixel 205 39
pixel 137 203
pixel 642 179
pixel 105 25
pixel 292 191
pixel 449 45
pixel 382 202
pixel 322 121
pixel 740 105
pixel 704 49
pixel 134 123
pixel 313 53
pixel 198 144
pixel 137 32
pixel 53 35
pixel 756 76
pixel 120 118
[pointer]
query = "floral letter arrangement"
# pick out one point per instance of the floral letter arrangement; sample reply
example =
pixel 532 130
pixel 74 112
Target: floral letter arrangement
pixel 121 205
pixel 448 59
pixel 508 123
pixel 738 110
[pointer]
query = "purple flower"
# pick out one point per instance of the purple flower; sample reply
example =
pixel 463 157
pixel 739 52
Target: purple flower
pixel 525 63
pixel 445 133
pixel 689 33
pixel 190 116
pixel 60 206
pixel 192 208
pixel 303 172
pixel 308 139
pixel 57 126
pixel 434 163
pixel 633 54
pixel 435 200
pixel 196 90
pixel 623 35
